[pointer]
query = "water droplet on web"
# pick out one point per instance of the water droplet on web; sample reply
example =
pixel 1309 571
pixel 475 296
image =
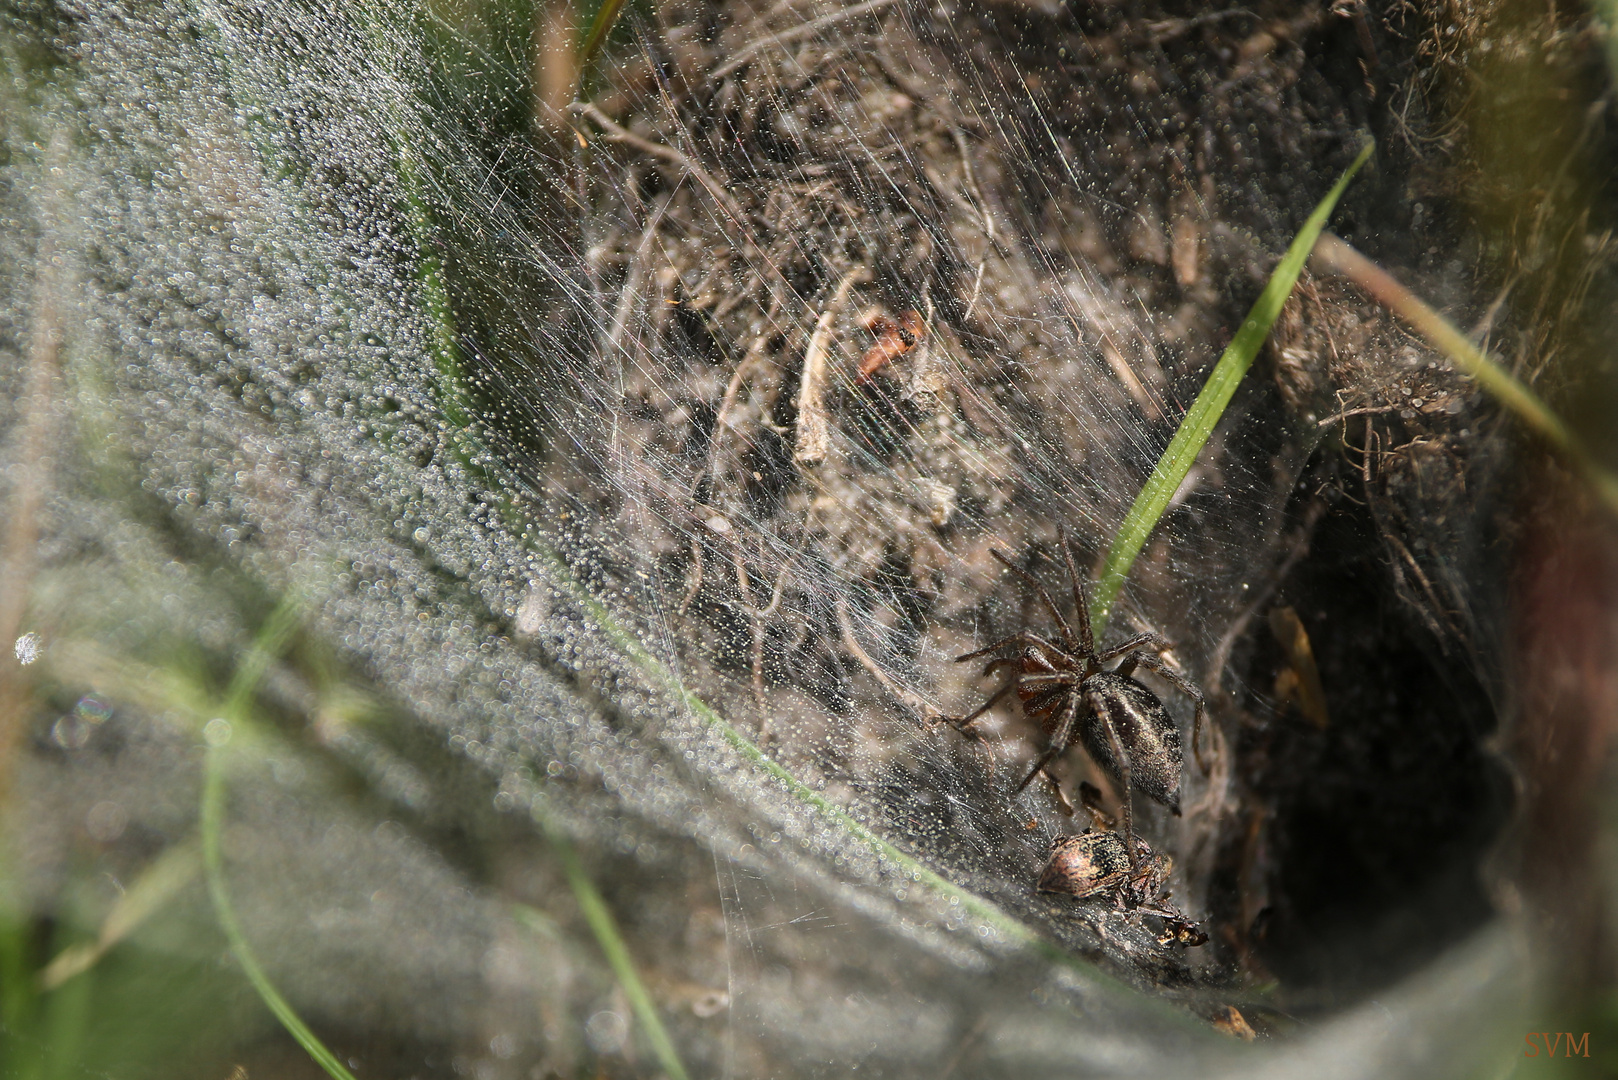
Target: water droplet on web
pixel 606 1032
pixel 92 710
pixel 27 648
pixel 71 732
pixel 106 821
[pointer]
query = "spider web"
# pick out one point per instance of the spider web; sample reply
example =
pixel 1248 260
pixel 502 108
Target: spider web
pixel 551 421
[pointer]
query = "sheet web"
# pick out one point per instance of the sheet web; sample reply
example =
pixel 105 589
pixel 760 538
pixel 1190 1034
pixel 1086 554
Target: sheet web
pixel 807 548
pixel 555 418
pixel 817 541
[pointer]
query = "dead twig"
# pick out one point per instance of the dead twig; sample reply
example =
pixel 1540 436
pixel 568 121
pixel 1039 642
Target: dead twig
pixel 693 583
pixel 972 184
pixel 1368 410
pixel 977 283
pixel 757 615
pixel 813 437
pixel 1169 29
pixel 616 133
pixel 632 281
pixel 907 697
pixel 786 37
pixel 755 352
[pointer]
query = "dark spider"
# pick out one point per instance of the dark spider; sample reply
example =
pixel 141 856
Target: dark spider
pixel 1122 724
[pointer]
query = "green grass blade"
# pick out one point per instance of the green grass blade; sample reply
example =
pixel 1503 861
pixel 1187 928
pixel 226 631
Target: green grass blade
pixel 1205 412
pixel 605 929
pixel 213 814
pixel 272 638
pixel 66 1022
pixel 606 18
pixel 267 647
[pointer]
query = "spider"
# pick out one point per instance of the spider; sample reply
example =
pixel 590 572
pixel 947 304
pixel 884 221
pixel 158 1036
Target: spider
pixel 1092 864
pixel 1122 724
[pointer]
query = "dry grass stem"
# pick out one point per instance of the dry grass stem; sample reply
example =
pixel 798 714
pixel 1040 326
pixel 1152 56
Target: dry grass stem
pixel 1335 256
pixel 617 133
pixel 909 698
pixel 797 33
pixel 813 436
pixel 31 476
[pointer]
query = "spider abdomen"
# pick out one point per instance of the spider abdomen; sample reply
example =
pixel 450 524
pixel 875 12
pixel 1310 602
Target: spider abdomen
pixel 1097 862
pixel 1143 726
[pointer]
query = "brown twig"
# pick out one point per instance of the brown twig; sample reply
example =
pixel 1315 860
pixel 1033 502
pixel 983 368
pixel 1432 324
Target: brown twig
pixel 972 184
pixel 662 152
pixel 632 282
pixel 977 283
pixel 813 437
pixel 694 578
pixel 786 37
pixel 1426 616
pixel 1368 410
pixel 1168 29
pixel 907 697
pixel 755 351
pixel 757 615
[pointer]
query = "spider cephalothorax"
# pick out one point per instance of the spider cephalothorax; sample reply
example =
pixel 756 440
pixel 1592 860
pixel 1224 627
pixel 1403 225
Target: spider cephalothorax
pixel 1122 724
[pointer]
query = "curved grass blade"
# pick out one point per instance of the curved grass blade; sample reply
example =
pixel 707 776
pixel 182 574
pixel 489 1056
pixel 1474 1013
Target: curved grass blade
pixel 271 639
pixel 606 18
pixel 1338 257
pixel 605 929
pixel 213 813
pixel 1205 412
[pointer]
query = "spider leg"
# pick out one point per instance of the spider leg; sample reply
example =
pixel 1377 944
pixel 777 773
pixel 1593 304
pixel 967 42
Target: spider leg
pixel 1059 740
pixel 1000 662
pixel 1050 649
pixel 1139 641
pixel 1090 797
pixel 1014 639
pixel 1162 911
pixel 1184 686
pixel 1124 803
pixel 1086 639
pixel 1044 680
pixel 1067 631
pixel 963 722
pixel 1023 638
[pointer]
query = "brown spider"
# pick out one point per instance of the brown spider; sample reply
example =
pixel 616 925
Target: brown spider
pixel 1122 724
pixel 1094 864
